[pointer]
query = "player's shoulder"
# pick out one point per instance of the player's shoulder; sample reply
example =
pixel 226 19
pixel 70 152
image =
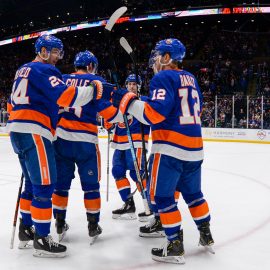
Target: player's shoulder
pixel 97 77
pixel 45 68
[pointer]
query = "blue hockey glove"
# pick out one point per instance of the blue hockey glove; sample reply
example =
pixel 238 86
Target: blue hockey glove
pixel 122 99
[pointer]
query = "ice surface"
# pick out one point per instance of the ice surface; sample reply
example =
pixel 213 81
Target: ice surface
pixel 236 183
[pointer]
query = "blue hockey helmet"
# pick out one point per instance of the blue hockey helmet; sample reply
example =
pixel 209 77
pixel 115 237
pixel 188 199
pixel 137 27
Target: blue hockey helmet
pixel 172 46
pixel 84 59
pixel 132 78
pixel 49 42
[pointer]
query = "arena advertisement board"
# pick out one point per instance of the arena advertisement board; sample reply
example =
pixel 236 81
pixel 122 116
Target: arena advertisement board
pixel 211 134
pixel 236 135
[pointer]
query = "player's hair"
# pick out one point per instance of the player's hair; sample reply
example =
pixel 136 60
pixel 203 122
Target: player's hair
pixel 81 68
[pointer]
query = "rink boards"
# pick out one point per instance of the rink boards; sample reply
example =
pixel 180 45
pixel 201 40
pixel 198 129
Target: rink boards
pixel 213 134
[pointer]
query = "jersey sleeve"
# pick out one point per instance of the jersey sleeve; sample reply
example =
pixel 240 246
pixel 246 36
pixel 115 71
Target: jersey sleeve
pixel 106 109
pixel 49 81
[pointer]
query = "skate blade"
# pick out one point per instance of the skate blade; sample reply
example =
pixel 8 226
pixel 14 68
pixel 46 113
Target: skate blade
pixel 61 236
pixel 131 216
pixel 25 245
pixel 145 219
pixel 170 259
pixel 45 254
pixel 208 248
pixel 153 235
pixel 93 240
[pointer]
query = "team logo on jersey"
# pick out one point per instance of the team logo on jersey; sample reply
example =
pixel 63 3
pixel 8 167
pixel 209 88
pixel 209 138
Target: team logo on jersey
pixel 122 124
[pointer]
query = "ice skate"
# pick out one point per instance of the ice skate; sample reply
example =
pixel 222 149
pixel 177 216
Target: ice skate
pixel 171 252
pixel 45 247
pixel 94 230
pixel 61 227
pixel 126 212
pixel 26 234
pixel 153 229
pixel 143 217
pixel 206 239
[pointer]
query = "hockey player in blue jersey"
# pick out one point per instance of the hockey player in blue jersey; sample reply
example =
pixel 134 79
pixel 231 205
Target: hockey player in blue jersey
pixel 77 144
pixel 173 111
pixel 37 92
pixel 122 159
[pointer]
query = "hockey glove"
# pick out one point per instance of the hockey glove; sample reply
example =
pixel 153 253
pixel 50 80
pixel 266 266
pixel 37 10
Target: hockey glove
pixel 102 90
pixel 108 126
pixel 122 99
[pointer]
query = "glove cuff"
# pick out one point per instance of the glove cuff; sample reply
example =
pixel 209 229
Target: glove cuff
pixel 98 89
pixel 125 101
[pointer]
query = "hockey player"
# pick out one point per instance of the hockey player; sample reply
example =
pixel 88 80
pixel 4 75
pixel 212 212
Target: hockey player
pixel 77 144
pixel 37 92
pixel 173 111
pixel 122 159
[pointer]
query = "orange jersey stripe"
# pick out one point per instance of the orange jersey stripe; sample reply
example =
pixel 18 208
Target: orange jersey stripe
pixel 59 200
pixel 108 112
pixel 25 204
pixel 9 107
pixel 177 138
pixel 41 213
pixel 43 162
pixel 123 183
pixel 77 125
pixel 170 218
pixel 199 211
pixel 135 137
pixel 66 97
pixel 32 115
pixel 92 204
pixel 153 114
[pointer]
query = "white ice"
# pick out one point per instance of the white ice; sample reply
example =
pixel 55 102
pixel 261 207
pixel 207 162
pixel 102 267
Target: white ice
pixel 236 183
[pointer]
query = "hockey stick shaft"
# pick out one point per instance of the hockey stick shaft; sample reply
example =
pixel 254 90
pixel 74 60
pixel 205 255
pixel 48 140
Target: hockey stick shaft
pixel 108 29
pixel 16 212
pixel 108 166
pixel 124 43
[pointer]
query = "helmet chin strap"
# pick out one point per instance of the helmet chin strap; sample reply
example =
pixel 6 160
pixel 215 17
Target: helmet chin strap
pixel 161 64
pixel 45 59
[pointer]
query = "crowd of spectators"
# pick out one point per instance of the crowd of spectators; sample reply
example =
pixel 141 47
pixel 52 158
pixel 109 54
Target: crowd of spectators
pixel 221 61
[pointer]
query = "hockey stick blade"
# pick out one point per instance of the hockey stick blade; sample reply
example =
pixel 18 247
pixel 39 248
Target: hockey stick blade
pixel 124 43
pixel 115 16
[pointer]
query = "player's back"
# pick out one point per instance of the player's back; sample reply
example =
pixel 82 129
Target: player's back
pixel 179 133
pixel 80 123
pixel 34 108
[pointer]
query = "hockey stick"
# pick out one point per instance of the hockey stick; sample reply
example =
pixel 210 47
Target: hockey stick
pixel 16 212
pixel 111 22
pixel 124 43
pixel 108 165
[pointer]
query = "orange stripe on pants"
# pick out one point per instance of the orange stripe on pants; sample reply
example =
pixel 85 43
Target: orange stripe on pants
pixel 43 161
pixel 25 204
pixel 122 183
pixel 59 200
pixel 199 211
pixel 92 204
pixel 41 213
pixel 139 157
pixel 170 218
pixel 98 163
pixel 154 175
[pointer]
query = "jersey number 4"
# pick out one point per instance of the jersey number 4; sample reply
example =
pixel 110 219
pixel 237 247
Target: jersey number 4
pixel 187 117
pixel 19 93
